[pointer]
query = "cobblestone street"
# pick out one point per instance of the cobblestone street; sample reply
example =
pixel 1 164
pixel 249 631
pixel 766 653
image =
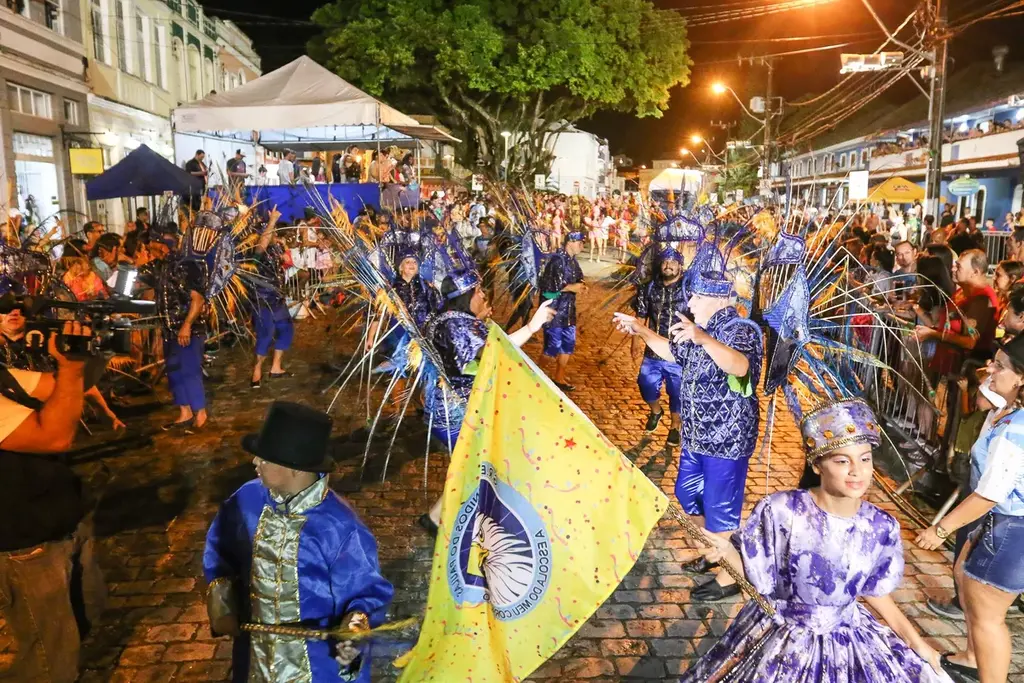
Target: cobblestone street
pixel 160 492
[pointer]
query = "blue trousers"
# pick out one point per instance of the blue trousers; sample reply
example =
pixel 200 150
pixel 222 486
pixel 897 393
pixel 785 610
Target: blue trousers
pixel 653 373
pixel 712 488
pixel 273 326
pixel 185 370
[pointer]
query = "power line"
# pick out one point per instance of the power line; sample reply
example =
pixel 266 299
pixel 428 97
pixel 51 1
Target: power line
pixel 790 39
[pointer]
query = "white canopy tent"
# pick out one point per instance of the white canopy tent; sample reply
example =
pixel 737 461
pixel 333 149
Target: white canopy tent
pixel 299 95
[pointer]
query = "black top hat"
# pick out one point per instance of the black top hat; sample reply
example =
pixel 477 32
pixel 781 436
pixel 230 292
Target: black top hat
pixel 293 436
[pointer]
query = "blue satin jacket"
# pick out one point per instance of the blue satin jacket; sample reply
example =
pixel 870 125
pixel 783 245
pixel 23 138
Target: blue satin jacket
pixel 308 560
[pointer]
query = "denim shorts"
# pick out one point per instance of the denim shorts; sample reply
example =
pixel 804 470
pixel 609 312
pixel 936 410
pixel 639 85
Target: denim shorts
pixel 996 558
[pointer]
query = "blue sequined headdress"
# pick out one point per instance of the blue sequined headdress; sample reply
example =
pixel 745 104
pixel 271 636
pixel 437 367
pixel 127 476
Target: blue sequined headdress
pixel 405 251
pixel 464 281
pixel 575 236
pixel 670 254
pixel 713 284
pixel 838 424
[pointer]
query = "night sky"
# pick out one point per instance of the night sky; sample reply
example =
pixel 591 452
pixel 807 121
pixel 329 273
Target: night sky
pixel 713 49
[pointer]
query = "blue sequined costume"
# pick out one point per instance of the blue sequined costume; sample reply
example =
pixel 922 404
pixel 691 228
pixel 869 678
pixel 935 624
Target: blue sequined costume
pixel 560 334
pixel 421 298
pixel 184 363
pixel 658 304
pixel 272 321
pixel 307 560
pixel 459 338
pixel 720 423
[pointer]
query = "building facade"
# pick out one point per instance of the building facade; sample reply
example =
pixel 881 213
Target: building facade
pixel 983 129
pixel 43 107
pixel 145 58
pixel 582 163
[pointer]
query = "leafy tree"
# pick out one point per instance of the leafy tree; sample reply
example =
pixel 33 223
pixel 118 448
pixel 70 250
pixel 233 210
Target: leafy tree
pixel 527 67
pixel 740 173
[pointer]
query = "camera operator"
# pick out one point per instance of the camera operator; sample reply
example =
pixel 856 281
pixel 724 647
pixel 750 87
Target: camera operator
pixel 50 587
pixel 16 354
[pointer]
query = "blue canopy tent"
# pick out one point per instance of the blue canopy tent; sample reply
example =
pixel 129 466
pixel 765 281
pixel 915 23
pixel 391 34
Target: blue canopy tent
pixel 143 173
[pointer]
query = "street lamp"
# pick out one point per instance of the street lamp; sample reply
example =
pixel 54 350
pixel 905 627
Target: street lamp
pixel 683 151
pixel 722 88
pixel 696 139
pixel 506 134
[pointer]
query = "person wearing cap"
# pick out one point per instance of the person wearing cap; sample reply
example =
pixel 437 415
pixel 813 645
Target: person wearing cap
pixel 561 281
pixel 286 549
pixel 237 172
pixel 720 353
pixel 989 570
pixel 659 303
pixel 459 334
pixel 813 553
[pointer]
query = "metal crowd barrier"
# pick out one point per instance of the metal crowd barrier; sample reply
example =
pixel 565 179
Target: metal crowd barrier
pixel 921 411
pixel 996 247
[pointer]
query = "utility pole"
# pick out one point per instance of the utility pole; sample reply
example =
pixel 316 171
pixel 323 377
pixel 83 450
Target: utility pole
pixel 936 113
pixel 767 163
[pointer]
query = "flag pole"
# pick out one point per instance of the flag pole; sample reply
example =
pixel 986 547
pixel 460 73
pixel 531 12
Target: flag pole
pixel 331 634
pixel 698 534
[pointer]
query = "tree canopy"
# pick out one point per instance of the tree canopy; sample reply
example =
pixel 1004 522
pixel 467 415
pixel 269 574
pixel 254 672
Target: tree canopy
pixel 522 66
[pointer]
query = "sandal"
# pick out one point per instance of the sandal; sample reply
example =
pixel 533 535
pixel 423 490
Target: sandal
pixel 279 375
pixel 256 384
pixel 958 671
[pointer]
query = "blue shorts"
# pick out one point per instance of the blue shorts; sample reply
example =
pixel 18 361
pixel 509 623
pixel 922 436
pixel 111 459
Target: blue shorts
pixel 996 559
pixel 559 340
pixel 712 488
pixel 653 373
pixel 273 326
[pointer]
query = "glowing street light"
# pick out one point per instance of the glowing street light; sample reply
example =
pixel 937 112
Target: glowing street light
pixel 718 88
pixel 683 151
pixel 696 139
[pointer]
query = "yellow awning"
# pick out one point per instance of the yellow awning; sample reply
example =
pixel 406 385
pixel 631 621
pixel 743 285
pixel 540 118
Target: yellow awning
pixel 896 191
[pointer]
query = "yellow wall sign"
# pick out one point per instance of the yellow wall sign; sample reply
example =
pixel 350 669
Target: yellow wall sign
pixel 86 161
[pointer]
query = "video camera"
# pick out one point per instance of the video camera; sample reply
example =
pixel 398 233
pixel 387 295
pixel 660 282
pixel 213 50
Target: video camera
pixel 109 331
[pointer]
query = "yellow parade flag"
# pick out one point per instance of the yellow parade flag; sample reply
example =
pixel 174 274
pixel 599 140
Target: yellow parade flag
pixel 542 518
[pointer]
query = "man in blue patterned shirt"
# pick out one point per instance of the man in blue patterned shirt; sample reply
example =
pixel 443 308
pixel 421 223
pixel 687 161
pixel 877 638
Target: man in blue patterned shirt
pixel 659 303
pixel 721 355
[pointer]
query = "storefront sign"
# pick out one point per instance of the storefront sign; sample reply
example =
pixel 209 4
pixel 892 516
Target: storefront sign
pixel 86 161
pixel 964 187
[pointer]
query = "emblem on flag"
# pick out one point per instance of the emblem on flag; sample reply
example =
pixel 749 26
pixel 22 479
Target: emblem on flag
pixel 499 552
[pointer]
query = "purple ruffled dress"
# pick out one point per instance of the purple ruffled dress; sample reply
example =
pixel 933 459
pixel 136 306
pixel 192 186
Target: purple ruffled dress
pixel 813 566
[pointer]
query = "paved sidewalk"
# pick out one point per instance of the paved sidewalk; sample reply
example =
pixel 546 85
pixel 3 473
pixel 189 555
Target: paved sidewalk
pixel 160 492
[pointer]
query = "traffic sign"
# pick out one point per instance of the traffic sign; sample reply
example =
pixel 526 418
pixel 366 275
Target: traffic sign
pixel 540 181
pixel 477 183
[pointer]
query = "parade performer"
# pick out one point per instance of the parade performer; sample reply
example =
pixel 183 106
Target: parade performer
pixel 272 321
pixel 561 281
pixel 660 303
pixel 420 297
pixel 181 304
pixel 720 353
pixel 285 549
pixel 458 334
pixel 812 552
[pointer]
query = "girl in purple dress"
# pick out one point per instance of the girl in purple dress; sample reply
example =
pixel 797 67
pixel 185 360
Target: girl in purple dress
pixel 812 552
